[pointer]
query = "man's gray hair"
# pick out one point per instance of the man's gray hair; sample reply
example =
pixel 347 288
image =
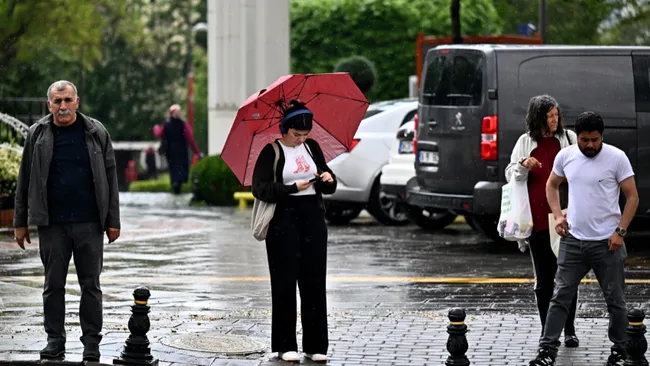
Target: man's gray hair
pixel 60 86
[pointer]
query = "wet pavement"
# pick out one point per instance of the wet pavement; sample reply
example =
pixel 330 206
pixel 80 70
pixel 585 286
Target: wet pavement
pixel 389 290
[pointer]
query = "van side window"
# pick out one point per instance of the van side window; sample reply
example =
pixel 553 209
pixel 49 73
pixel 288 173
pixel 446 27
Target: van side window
pixel 455 79
pixel 581 82
pixel 641 65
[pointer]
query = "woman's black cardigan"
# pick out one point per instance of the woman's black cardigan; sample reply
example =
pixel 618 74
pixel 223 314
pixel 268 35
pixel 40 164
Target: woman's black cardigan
pixel 263 187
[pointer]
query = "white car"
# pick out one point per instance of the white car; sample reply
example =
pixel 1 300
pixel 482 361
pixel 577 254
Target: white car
pixel 400 170
pixel 358 171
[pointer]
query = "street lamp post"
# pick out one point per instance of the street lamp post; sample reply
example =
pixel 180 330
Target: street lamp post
pixel 542 20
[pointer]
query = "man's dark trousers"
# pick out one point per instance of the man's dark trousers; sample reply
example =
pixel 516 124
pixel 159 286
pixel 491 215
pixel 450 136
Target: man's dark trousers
pixel 58 243
pixel 576 257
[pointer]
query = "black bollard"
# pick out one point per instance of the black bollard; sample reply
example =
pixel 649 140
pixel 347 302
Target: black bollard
pixel 637 345
pixel 137 350
pixel 457 342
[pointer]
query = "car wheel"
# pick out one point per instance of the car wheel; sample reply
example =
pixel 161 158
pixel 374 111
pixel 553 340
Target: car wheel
pixel 488 226
pixel 430 218
pixel 386 210
pixel 341 214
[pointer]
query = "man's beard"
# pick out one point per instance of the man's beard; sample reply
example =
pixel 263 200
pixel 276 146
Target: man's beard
pixel 589 152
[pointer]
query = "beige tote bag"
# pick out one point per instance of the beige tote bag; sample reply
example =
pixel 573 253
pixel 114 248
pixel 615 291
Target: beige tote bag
pixel 263 211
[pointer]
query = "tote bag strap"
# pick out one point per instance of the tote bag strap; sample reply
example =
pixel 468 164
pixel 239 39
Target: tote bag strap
pixel 318 169
pixel 567 137
pixel 275 162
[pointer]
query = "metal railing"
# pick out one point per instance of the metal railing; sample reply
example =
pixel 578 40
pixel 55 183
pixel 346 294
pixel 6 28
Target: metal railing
pixel 16 115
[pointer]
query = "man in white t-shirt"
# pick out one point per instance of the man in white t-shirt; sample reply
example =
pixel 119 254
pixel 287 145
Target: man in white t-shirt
pixel 592 232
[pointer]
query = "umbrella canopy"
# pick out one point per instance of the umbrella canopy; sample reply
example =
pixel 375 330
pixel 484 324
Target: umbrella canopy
pixel 337 103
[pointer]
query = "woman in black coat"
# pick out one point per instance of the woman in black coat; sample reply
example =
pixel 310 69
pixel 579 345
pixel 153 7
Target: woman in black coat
pixel 296 242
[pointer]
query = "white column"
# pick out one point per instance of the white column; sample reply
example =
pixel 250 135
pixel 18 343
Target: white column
pixel 248 48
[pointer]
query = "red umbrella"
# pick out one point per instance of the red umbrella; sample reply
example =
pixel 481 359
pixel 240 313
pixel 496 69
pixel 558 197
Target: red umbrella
pixel 336 101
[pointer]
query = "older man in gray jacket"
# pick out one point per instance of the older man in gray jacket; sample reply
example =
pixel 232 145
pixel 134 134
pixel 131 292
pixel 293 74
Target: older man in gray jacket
pixel 67 187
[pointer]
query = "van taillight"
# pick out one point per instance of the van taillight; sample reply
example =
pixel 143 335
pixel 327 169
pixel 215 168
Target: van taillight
pixel 416 119
pixel 489 130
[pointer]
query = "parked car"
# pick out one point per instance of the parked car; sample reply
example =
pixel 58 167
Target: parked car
pixel 358 171
pixel 472 108
pixel 399 171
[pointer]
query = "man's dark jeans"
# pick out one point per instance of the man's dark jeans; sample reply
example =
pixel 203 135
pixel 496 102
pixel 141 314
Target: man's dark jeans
pixel 58 243
pixel 575 259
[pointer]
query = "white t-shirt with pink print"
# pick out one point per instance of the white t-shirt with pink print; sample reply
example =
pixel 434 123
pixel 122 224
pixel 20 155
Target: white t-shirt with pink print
pixel 298 166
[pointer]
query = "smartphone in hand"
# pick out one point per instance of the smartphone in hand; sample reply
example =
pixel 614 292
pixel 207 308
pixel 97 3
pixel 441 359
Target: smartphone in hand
pixel 314 179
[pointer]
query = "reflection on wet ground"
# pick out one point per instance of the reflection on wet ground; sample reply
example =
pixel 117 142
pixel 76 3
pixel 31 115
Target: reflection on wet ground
pixel 202 263
pixel 208 256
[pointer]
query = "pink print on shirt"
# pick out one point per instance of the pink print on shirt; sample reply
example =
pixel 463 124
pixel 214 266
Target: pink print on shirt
pixel 303 165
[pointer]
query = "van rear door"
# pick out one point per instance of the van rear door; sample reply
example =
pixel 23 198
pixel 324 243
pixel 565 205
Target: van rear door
pixel 456 140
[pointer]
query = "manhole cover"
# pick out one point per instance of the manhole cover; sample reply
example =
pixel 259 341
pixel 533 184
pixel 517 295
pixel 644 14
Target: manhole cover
pixel 215 343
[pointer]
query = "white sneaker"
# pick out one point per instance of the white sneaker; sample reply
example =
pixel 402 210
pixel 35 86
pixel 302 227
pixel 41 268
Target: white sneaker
pixel 289 356
pixel 316 357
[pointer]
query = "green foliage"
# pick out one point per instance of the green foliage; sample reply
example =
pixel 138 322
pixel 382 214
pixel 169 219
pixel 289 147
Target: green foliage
pixel 324 31
pixel 33 30
pixel 146 74
pixel 361 70
pixel 200 98
pixel 568 21
pixel 161 184
pixel 40 45
pixel 9 167
pixel 127 57
pixel 217 183
pixel 631 26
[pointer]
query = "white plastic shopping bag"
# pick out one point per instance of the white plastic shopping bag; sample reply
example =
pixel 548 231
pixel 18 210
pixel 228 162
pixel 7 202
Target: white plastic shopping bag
pixel 516 220
pixel 555 238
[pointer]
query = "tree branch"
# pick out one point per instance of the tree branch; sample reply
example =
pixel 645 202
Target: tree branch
pixel 8 47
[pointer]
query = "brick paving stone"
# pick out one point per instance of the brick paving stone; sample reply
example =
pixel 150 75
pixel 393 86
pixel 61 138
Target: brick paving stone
pixel 394 340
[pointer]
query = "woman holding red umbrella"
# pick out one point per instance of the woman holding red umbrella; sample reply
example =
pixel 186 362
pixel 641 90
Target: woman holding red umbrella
pixel 296 242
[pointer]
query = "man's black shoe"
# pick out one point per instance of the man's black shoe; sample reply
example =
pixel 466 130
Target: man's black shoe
pixel 544 358
pixel 91 352
pixel 53 350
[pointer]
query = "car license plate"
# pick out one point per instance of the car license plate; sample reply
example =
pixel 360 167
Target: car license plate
pixel 429 157
pixel 406 147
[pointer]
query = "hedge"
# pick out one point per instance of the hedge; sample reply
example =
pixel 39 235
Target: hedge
pixel 217 183
pixel 361 70
pixel 384 31
pixel 161 184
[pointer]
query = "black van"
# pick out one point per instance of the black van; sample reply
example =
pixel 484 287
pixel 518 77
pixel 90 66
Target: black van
pixel 472 107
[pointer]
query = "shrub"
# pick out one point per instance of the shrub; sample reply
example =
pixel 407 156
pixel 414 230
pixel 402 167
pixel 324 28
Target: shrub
pixel 361 70
pixel 217 183
pixel 9 167
pixel 157 185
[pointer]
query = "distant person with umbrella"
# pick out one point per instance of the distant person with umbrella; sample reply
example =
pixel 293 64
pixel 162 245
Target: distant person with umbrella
pixel 177 136
pixel 296 242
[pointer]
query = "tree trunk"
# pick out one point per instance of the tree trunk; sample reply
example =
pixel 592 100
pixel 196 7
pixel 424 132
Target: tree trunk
pixel 456 36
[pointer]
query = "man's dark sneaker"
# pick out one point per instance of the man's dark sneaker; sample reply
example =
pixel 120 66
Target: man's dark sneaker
pixel 53 350
pixel 616 359
pixel 571 341
pixel 91 352
pixel 544 358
